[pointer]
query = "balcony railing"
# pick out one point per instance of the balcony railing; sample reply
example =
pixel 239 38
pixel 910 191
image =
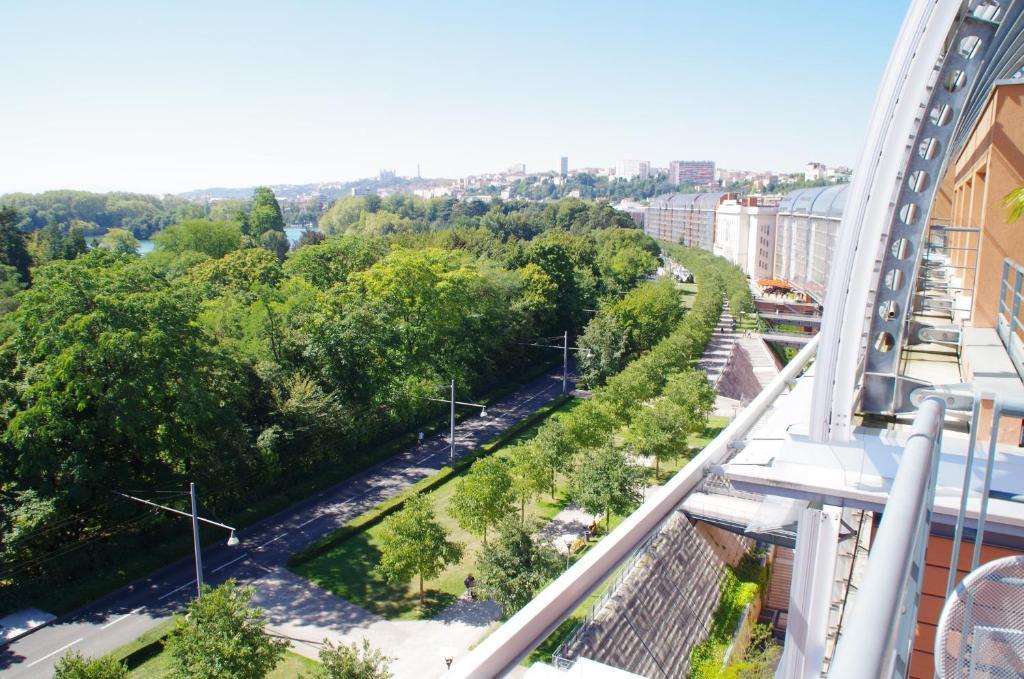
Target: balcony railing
pixel 876 642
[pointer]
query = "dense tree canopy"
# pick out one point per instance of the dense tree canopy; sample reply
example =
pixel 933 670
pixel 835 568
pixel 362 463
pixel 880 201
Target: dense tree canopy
pixel 625 327
pixel 210 360
pixel 13 250
pixel 213 239
pixel 141 214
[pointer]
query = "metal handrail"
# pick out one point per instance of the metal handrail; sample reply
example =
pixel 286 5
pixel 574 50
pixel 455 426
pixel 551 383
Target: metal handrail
pixel 531 625
pixel 559 658
pixel 876 640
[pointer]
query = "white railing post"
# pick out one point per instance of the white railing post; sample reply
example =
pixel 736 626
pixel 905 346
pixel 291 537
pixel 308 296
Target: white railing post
pixel 876 640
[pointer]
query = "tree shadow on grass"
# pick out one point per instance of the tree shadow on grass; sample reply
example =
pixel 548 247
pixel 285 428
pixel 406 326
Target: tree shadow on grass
pixel 348 571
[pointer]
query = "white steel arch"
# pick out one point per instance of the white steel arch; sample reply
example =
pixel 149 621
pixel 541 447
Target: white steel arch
pixel 945 58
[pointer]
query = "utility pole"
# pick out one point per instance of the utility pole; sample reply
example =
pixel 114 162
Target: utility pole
pixel 565 356
pixel 451 431
pixel 565 362
pixel 195 539
pixel 451 434
pixel 194 515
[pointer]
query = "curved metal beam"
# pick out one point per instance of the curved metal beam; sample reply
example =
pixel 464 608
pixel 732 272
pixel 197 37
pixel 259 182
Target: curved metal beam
pixel 866 226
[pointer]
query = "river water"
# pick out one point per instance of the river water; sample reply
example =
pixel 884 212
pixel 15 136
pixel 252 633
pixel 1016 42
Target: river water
pixel 293 233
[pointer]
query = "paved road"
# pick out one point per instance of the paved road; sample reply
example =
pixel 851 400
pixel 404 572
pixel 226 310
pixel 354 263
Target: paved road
pixel 127 613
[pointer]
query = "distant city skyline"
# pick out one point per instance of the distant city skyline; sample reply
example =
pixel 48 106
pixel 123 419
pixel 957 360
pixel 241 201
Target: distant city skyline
pixel 170 98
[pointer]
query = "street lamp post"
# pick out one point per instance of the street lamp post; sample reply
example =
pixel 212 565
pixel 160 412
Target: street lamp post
pixel 565 361
pixel 196 519
pixel 564 346
pixel 195 539
pixel 451 429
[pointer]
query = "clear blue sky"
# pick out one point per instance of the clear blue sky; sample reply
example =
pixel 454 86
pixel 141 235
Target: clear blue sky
pixel 169 96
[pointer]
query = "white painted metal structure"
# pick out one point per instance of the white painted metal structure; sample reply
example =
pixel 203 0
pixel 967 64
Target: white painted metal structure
pixel 946 57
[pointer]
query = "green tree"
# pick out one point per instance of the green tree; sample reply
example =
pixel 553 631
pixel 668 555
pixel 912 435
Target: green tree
pixel 690 392
pixel 554 450
pixel 240 270
pixel 214 239
pixel 113 385
pixel 310 236
pixel 229 210
pixel 74 243
pixel 265 213
pixel 343 215
pixel 352 662
pixel 222 637
pixel 58 242
pixel 627 267
pixel 276 242
pixel 529 477
pixel 120 241
pixel 590 424
pixel 13 248
pixel 515 567
pixel 604 349
pixel 567 260
pixel 331 262
pixel 484 496
pixel 76 666
pixel 660 431
pixel 414 544
pixel 10 285
pixel 608 483
pixel 383 223
pixel 649 312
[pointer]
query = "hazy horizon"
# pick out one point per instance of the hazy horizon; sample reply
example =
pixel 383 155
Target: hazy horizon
pixel 169 99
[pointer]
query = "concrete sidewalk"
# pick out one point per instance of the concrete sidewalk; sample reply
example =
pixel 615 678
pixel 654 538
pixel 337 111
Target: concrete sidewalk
pixel 307 615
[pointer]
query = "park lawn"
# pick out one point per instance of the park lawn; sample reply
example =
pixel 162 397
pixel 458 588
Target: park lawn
pixel 147 657
pixel 689 293
pixel 347 570
pixel 291 666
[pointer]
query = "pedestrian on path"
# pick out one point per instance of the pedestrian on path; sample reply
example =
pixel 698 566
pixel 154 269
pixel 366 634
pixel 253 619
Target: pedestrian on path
pixel 419 440
pixel 470 583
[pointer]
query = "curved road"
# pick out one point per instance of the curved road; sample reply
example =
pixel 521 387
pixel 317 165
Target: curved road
pixel 127 613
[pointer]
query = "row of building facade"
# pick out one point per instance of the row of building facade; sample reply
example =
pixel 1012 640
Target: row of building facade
pixel 788 237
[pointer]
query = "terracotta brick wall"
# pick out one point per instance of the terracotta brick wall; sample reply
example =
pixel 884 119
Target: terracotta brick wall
pixel 933 596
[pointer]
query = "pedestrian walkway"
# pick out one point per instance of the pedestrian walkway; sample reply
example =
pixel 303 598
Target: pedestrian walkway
pixel 568 526
pixel 719 348
pixel 306 615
